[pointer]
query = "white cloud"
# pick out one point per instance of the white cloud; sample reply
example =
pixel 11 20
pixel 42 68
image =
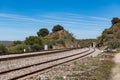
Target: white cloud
pixel 19 17
pixel 81 26
pixel 63 19
pixel 99 18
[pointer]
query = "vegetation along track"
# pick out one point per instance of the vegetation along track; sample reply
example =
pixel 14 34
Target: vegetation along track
pixel 34 68
pixel 41 51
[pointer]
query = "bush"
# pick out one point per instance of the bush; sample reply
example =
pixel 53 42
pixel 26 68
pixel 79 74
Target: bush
pixel 43 32
pixel 3 49
pixel 57 28
pixel 36 47
pixel 17 42
pixel 109 31
pixel 104 32
pixel 34 42
pixel 18 48
pixel 114 44
pixel 115 20
pixel 31 40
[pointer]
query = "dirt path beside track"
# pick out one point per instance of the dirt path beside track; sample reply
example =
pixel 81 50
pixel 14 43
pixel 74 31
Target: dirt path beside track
pixel 116 69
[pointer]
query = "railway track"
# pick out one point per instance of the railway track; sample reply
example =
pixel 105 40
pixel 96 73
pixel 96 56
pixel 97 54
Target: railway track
pixel 31 54
pixel 2 54
pixel 20 72
pixel 14 63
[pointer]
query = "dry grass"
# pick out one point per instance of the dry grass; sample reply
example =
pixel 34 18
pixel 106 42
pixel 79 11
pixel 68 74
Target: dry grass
pixel 91 68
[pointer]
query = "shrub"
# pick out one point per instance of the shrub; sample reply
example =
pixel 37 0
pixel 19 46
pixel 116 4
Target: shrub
pixel 36 47
pixel 3 49
pixel 43 32
pixel 109 31
pixel 34 42
pixel 57 28
pixel 114 44
pixel 31 40
pixel 18 48
pixel 115 20
pixel 17 42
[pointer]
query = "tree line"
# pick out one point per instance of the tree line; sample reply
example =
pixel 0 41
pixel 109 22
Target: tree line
pixel 31 43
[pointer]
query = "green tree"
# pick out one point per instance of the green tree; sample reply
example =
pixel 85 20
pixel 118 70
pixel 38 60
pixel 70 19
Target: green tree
pixel 3 49
pixel 17 42
pixel 43 32
pixel 115 20
pixel 57 28
pixel 34 42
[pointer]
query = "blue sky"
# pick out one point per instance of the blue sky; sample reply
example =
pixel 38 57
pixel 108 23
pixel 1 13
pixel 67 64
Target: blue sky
pixel 84 18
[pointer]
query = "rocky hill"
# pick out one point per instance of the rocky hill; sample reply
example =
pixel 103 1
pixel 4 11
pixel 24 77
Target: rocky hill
pixel 61 39
pixel 111 37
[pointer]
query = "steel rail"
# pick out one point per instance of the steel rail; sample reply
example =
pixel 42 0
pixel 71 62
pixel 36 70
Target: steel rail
pixel 33 55
pixel 3 72
pixel 45 63
pixel 18 77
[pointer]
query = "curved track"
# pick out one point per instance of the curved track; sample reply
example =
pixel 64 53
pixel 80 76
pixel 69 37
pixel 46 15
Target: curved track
pixel 31 54
pixel 20 72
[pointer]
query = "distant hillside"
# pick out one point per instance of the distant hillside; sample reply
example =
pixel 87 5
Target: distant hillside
pixel 61 39
pixel 6 42
pixel 111 37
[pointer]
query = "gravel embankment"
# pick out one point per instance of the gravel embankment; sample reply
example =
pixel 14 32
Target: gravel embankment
pixel 71 70
pixel 11 64
pixel 36 68
pixel 7 65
